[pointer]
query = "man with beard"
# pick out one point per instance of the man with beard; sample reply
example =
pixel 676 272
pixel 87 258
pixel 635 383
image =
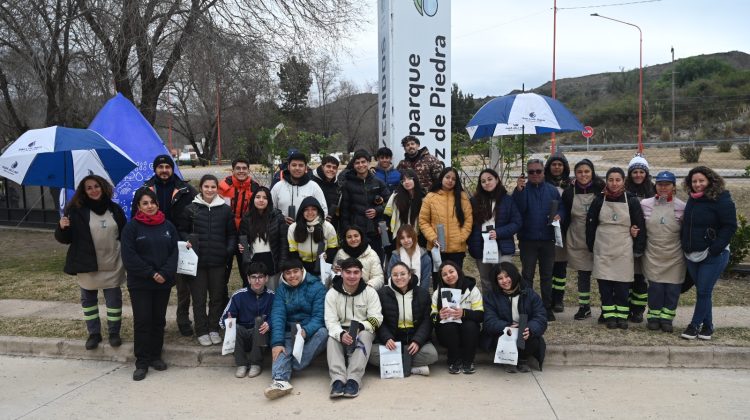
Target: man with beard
pixel 427 166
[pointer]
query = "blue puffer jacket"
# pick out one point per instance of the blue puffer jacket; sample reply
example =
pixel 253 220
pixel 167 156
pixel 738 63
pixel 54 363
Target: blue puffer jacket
pixel 708 224
pixel 245 305
pixel 391 176
pixel 534 205
pixel 507 223
pixel 304 304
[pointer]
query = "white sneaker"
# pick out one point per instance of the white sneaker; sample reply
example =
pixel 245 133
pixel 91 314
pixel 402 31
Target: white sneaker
pixel 215 337
pixel 255 370
pixel 278 389
pixel 421 370
pixel 240 372
pixel 204 340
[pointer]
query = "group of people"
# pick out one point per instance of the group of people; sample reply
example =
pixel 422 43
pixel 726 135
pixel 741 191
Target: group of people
pixel 345 260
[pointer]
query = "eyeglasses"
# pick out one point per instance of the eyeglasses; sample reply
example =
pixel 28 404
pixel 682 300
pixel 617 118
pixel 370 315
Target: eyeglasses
pixel 258 277
pixel 534 171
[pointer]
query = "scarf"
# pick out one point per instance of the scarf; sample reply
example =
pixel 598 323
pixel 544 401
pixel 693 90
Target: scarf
pixel 97 206
pixel 156 219
pixel 696 194
pixel 355 252
pixel 413 261
pixel 311 225
pixel 584 187
pixel 608 193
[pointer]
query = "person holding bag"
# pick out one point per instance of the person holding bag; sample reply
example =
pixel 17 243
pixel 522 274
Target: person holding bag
pixel 404 205
pixel 92 224
pixel 414 256
pixel 495 213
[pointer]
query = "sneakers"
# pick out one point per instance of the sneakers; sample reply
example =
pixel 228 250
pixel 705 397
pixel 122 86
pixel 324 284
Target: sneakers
pixel 159 365
pixel 115 340
pixel 454 368
pixel 635 317
pixel 622 323
pixel 666 326
pixel 93 341
pixel 421 370
pixel 278 389
pixel 511 368
pixel 185 330
pixel 523 367
pixel 241 372
pixel 204 340
pixel 653 324
pixel 254 371
pixel 337 389
pixel 690 333
pixel 558 307
pixel 705 332
pixel 140 374
pixel 351 389
pixel 215 337
pixel 584 311
pixel 469 368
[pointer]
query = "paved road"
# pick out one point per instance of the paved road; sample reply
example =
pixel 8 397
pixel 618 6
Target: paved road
pixel 38 388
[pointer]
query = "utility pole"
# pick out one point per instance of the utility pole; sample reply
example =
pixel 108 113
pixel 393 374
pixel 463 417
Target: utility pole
pixel 671 136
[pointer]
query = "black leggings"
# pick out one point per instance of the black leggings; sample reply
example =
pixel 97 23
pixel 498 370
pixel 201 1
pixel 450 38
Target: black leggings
pixel 461 340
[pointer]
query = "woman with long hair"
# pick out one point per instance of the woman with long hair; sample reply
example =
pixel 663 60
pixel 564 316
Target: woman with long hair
pixel 207 224
pixel 355 245
pixel 557 173
pixel 447 205
pixel 709 223
pixel 414 256
pixel 92 224
pixel 495 213
pixel 404 205
pixel 311 237
pixel 265 229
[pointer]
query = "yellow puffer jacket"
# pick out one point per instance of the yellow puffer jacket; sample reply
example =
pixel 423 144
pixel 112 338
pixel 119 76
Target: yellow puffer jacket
pixel 438 208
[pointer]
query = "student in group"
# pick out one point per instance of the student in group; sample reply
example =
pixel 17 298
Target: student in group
pixel 325 175
pixel 577 199
pixel 384 170
pixel 294 186
pixel 663 261
pixel 299 300
pixel 557 173
pixel 494 212
pixel 404 205
pixel 207 225
pixel 248 306
pixel 350 300
pixel 461 339
pixel 612 220
pixel 266 231
pixel 639 183
pixel 710 221
pixel 355 245
pixel 92 224
pixel 426 166
pixel 149 254
pixel 406 320
pixel 504 305
pixel 412 255
pixel 311 237
pixel 448 205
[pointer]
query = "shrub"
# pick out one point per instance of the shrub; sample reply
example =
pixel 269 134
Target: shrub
pixel 744 150
pixel 665 134
pixel 740 242
pixel 690 154
pixel 724 146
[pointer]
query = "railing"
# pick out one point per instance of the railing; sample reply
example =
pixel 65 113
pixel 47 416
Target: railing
pixel 28 206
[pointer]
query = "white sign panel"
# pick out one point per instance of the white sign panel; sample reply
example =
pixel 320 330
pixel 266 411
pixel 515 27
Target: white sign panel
pixel 414 95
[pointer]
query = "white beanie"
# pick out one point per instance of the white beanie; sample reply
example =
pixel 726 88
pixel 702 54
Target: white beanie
pixel 638 162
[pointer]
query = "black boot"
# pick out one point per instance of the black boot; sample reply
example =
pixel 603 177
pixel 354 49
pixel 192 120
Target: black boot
pixel 584 311
pixel 636 314
pixel 557 301
pixel 115 340
pixel 93 341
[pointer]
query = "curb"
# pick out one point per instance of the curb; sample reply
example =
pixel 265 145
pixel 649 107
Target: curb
pixel 557 355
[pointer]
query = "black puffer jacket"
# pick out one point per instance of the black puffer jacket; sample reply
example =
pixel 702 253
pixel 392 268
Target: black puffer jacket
pixel 81 256
pixel 182 195
pixel 359 195
pixel 277 233
pixel 210 229
pixel 420 309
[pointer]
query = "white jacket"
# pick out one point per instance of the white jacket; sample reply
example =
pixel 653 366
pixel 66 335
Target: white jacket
pixel 341 308
pixel 372 270
pixel 285 194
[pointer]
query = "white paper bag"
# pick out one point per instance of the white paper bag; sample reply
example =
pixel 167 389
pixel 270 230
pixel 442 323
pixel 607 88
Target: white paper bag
pixel 299 345
pixel 230 335
pixel 490 253
pixel 507 352
pixel 436 260
pixel 391 362
pixel 187 260
pixel 451 298
pixel 558 234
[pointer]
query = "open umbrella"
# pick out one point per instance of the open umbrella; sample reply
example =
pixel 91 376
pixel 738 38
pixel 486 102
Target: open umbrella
pixel 522 113
pixel 61 157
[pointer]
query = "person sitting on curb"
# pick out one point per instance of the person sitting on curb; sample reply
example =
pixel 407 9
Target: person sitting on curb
pixel 250 306
pixel 299 301
pixel 352 315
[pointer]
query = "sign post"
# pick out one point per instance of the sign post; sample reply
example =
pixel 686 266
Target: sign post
pixel 587 132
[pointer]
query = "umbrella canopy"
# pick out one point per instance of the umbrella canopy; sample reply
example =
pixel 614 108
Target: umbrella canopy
pixel 61 157
pixel 523 113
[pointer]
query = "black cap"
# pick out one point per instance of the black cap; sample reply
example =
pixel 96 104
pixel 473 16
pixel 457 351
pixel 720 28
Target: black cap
pixel 163 159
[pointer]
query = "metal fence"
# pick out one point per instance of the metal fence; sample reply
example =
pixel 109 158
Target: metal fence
pixel 28 206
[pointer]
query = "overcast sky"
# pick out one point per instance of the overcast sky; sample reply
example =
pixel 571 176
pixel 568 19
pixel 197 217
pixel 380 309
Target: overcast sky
pixel 498 45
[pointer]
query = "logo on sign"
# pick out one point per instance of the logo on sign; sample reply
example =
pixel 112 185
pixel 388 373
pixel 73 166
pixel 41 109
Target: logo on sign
pixel 426 7
pixel 32 144
pixel 532 114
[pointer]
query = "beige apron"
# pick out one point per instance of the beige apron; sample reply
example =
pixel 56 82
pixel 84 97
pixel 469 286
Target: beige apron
pixel 579 257
pixel 561 254
pixel 613 248
pixel 638 261
pixel 111 272
pixel 663 261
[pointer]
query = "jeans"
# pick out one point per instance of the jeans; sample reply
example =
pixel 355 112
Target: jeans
pixel 281 369
pixel 705 274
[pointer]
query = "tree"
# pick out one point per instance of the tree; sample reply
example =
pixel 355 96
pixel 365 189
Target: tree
pixel 294 83
pixel 325 70
pixel 462 109
pixel 356 118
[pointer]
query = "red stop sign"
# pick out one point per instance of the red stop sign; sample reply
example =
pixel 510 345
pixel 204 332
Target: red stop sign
pixel 588 131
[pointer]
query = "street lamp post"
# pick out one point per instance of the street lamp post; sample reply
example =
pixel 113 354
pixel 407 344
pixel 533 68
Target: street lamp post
pixel 672 133
pixel 640 76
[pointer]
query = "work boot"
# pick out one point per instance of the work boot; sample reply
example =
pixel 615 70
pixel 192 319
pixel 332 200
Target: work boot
pixel 584 311
pixel 622 323
pixel 115 340
pixel 653 324
pixel 557 301
pixel 666 325
pixel 636 316
pixel 93 341
pixel 550 315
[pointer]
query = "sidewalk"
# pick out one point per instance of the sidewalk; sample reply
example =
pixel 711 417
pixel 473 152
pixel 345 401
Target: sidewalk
pixel 705 356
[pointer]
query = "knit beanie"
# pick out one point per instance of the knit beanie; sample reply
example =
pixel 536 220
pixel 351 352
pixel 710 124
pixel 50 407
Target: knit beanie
pixel 163 159
pixel 638 162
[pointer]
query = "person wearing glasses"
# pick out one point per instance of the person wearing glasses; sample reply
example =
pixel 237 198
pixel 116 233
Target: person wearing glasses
pixel 539 204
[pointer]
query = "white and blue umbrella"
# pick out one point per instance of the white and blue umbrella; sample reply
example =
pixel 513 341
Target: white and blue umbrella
pixel 61 157
pixel 522 113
